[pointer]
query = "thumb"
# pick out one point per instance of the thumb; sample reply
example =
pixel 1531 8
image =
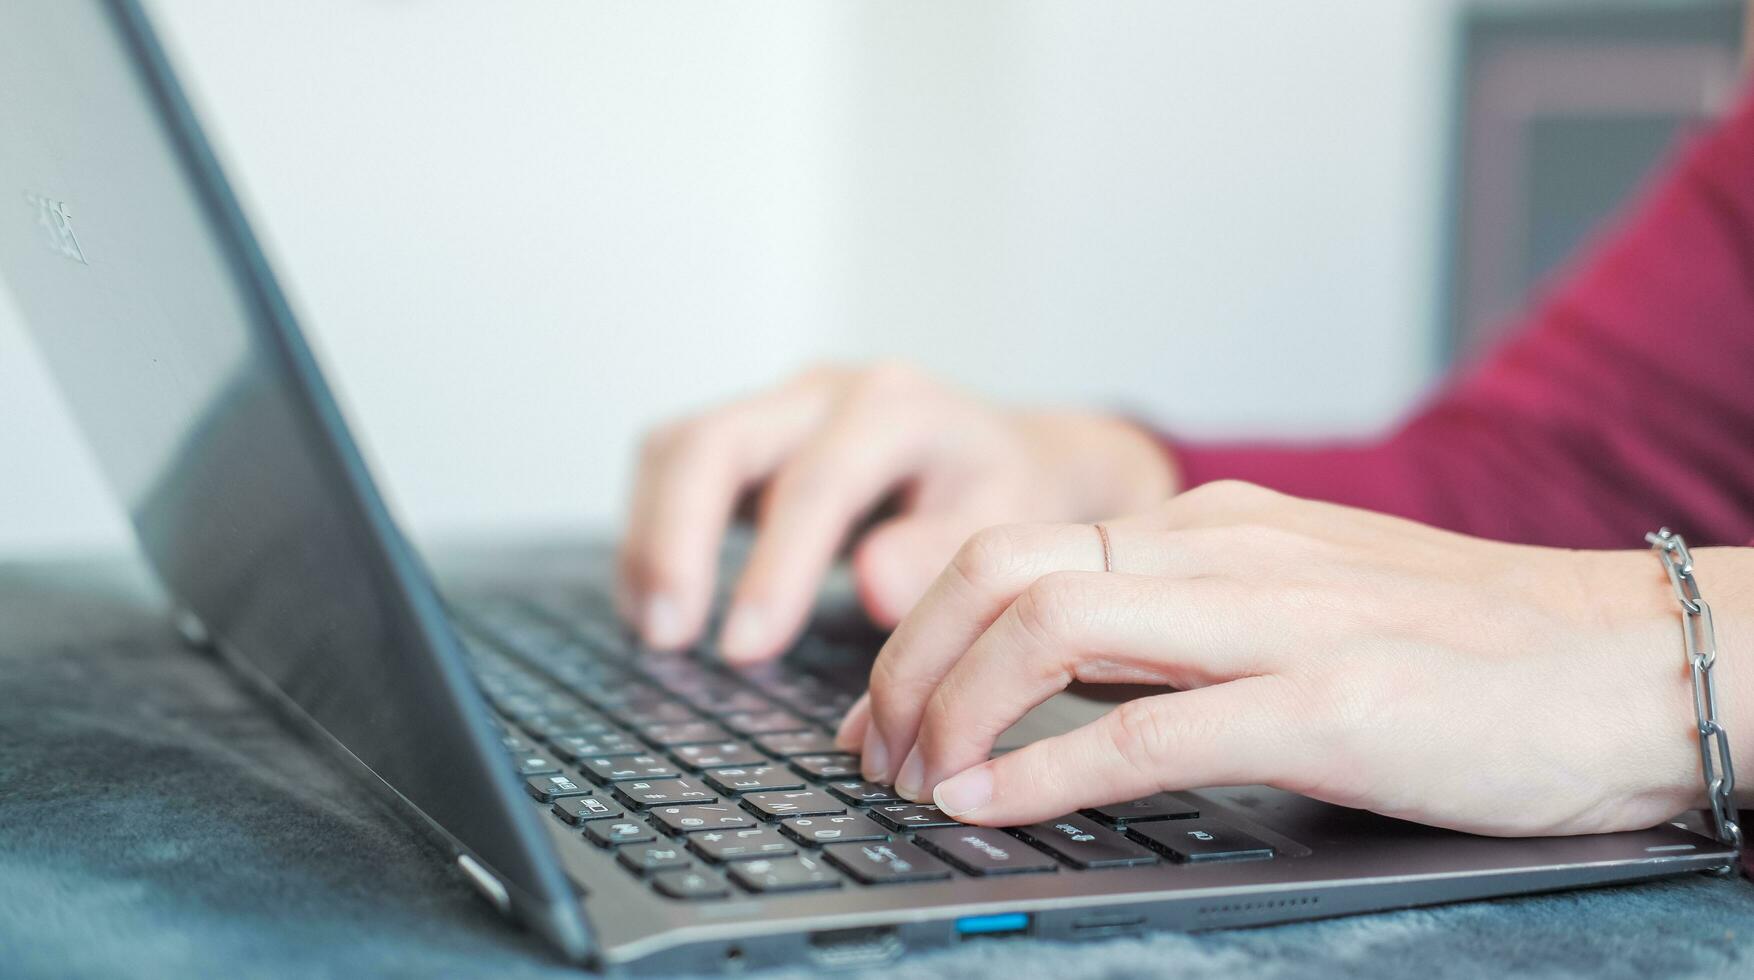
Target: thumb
pixel 898 559
pixel 1184 740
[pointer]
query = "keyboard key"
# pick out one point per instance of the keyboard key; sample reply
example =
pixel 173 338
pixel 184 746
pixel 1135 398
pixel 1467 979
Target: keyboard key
pixel 647 858
pixel 584 809
pixel 886 863
pixel 536 765
pixel 516 745
pixel 690 885
pixel 645 794
pixel 1157 806
pixel 727 699
pixel 858 792
pixel 1084 843
pixel 796 689
pixel 622 768
pixel 680 674
pixel 1200 840
pixel 718 755
pixel 654 713
pixel 552 726
pixel 683 733
pixel 784 745
pixel 572 748
pixel 612 833
pixel 796 803
pixel 834 765
pixel 984 851
pixel 705 816
pixel 830 708
pixel 554 786
pixel 786 874
pixel 911 816
pixel 738 780
pixel 764 722
pixel 719 846
pixel 832 828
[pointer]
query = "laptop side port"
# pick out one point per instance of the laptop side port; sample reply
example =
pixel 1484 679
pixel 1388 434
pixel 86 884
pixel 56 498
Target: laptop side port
pixel 867 946
pixel 1005 925
pixel 1106 926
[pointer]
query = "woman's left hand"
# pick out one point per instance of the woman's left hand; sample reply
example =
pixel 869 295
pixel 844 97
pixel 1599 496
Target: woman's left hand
pixel 1356 658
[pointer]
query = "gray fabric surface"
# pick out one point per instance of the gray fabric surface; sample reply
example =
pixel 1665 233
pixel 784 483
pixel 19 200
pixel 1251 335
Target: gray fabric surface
pixel 154 821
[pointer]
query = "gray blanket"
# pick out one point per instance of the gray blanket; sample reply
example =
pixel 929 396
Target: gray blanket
pixel 154 821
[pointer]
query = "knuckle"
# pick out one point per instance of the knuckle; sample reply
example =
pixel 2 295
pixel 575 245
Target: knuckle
pixel 1141 737
pixel 992 554
pixel 893 372
pixel 886 383
pixel 811 479
pixel 1051 609
pixel 690 436
pixel 821 373
pixel 892 690
pixel 1226 495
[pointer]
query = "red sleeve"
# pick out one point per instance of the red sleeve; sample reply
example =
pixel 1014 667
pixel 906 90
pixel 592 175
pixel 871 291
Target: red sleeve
pixel 1625 400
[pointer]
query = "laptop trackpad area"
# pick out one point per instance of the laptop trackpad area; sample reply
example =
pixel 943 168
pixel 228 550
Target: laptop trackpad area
pixel 1056 716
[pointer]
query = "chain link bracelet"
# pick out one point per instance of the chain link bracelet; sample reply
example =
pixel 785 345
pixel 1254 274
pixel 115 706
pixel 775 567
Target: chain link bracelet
pixel 1701 639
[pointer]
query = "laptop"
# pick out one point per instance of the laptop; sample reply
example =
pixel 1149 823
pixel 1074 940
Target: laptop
pixel 641 813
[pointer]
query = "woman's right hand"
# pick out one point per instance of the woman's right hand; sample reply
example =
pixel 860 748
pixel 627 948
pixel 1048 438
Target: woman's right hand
pixel 822 450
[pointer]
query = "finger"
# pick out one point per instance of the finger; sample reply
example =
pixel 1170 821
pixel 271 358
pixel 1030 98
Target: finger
pixel 850 736
pixel 897 560
pixel 688 482
pixel 1244 731
pixel 985 576
pixel 844 469
pixel 1096 628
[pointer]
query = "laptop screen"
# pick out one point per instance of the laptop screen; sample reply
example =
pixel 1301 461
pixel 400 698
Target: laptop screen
pixel 175 352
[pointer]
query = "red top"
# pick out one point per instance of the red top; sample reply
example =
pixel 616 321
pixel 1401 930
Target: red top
pixel 1623 402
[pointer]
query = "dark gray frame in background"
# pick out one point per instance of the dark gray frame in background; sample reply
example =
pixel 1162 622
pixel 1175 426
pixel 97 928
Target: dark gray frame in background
pixel 1560 110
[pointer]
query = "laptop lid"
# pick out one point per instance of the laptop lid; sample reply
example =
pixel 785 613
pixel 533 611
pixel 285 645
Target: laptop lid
pixel 157 315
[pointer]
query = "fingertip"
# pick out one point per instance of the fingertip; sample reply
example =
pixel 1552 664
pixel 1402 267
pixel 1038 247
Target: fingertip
pixel 747 636
pixel 850 736
pixel 873 582
pixel 911 777
pixel 967 794
pixel 894 566
pixel 662 625
pixel 874 762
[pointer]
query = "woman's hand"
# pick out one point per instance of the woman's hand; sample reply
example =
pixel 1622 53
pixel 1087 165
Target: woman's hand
pixel 1356 658
pixel 824 450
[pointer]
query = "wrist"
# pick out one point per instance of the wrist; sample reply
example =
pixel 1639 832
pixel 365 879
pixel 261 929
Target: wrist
pixel 1726 579
pixel 1650 620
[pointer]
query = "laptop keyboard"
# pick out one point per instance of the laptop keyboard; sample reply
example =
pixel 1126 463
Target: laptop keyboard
pixel 708 783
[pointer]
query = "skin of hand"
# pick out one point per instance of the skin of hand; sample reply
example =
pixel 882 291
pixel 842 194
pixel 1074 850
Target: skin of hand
pixel 1359 659
pixel 822 451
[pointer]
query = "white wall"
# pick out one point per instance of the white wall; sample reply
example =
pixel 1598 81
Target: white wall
pixel 521 233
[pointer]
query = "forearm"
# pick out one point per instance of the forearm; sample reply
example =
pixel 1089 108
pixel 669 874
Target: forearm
pixel 1624 401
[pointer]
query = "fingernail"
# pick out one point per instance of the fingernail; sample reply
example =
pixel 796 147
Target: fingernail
pixel 913 773
pixel 965 792
pixel 661 622
pixel 744 632
pixel 875 762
